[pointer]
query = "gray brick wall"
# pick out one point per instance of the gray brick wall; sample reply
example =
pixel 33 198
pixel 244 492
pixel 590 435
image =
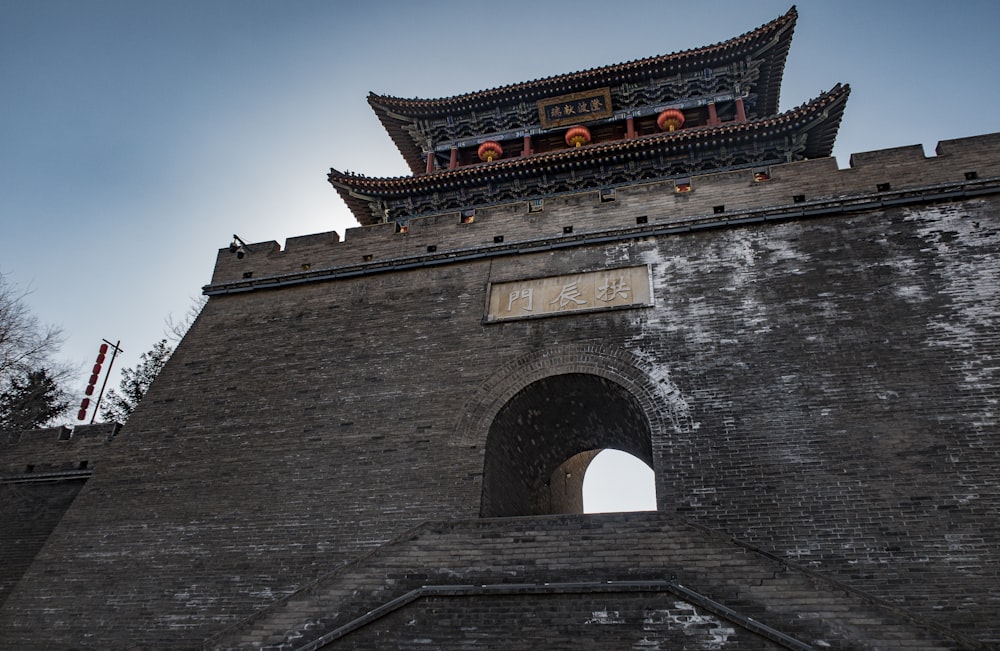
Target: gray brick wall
pixel 41 473
pixel 821 386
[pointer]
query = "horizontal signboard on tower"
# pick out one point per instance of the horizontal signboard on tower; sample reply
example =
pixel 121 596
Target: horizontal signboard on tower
pixel 595 290
pixel 575 108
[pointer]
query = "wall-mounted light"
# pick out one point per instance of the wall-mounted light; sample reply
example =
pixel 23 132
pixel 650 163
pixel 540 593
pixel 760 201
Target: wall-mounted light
pixel 239 247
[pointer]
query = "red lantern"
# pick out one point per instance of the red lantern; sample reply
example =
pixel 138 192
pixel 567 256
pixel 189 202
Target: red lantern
pixel 578 136
pixel 490 150
pixel 95 375
pixel 670 120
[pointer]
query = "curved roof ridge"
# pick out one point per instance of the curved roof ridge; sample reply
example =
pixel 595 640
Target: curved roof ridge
pixel 779 23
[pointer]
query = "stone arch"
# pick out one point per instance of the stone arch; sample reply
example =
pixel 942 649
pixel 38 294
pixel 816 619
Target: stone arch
pixel 524 447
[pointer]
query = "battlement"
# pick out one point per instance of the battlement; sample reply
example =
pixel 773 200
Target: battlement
pixel 54 452
pixel 799 189
pixel 41 473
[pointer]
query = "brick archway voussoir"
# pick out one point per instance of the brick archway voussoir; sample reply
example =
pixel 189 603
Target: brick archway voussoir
pixel 661 401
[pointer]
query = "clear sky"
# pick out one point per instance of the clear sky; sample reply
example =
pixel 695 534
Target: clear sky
pixel 136 136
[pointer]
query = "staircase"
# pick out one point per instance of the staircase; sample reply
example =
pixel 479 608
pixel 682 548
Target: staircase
pixel 658 555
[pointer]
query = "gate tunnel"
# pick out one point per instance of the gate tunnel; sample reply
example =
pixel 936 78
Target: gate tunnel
pixel 542 440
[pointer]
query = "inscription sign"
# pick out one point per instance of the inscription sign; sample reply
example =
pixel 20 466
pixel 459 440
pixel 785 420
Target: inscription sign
pixel 575 108
pixel 596 290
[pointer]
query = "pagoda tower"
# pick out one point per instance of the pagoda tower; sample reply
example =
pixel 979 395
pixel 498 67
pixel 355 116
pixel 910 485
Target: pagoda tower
pixel 663 118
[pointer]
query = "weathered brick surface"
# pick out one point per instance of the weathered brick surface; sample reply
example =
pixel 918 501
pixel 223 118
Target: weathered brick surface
pixel 627 581
pixel 41 473
pixel 822 386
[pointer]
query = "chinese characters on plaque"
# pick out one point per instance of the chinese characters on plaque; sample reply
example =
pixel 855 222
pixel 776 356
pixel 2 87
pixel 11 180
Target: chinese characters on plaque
pixel 596 290
pixel 575 108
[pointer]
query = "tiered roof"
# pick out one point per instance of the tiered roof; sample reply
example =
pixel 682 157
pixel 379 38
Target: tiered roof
pixel 728 93
pixel 755 61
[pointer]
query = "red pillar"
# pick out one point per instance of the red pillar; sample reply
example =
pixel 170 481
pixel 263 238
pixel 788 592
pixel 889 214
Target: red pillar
pixel 430 162
pixel 629 128
pixel 453 163
pixel 741 114
pixel 526 149
pixel 713 117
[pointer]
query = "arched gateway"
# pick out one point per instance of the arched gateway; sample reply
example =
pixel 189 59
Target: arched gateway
pixel 543 418
pixel 542 441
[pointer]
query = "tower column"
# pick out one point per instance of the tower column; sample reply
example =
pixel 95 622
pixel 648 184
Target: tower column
pixel 430 161
pixel 741 114
pixel 526 149
pixel 629 128
pixel 713 116
pixel 453 162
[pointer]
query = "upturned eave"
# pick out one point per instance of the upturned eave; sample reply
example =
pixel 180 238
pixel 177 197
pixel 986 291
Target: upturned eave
pixel 769 43
pixel 818 119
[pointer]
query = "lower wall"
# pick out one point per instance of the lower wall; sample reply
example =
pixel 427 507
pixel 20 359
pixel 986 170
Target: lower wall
pixel 629 581
pixel 570 622
pixel 823 387
pixel 29 512
pixel 41 473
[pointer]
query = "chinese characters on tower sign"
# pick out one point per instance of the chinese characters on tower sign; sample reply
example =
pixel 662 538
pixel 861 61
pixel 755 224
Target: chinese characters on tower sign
pixel 596 290
pixel 575 108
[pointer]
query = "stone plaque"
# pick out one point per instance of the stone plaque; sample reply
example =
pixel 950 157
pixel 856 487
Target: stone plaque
pixel 595 290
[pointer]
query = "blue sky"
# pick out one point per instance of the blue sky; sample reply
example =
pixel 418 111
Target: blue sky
pixel 136 137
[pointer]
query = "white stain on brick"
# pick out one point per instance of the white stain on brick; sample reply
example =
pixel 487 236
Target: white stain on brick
pixel 911 293
pixel 708 631
pixel 603 617
pixel 696 311
pixel 735 261
pixel 970 278
pixel 676 404
pixel 649 325
pixel 740 255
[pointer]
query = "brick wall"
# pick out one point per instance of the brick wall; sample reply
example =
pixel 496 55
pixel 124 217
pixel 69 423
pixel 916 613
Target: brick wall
pixel 818 381
pixel 41 473
pixel 621 581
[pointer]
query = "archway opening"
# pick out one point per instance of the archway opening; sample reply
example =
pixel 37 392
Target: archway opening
pixel 542 441
pixel 616 482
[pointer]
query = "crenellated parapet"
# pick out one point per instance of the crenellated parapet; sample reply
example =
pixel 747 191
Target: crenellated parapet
pixel 54 453
pixel 41 473
pixel 723 199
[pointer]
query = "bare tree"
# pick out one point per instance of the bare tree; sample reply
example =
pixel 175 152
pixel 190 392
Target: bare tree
pixel 25 343
pixel 27 370
pixel 175 330
pixel 119 405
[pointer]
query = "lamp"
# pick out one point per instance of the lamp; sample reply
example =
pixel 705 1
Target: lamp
pixel 239 247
